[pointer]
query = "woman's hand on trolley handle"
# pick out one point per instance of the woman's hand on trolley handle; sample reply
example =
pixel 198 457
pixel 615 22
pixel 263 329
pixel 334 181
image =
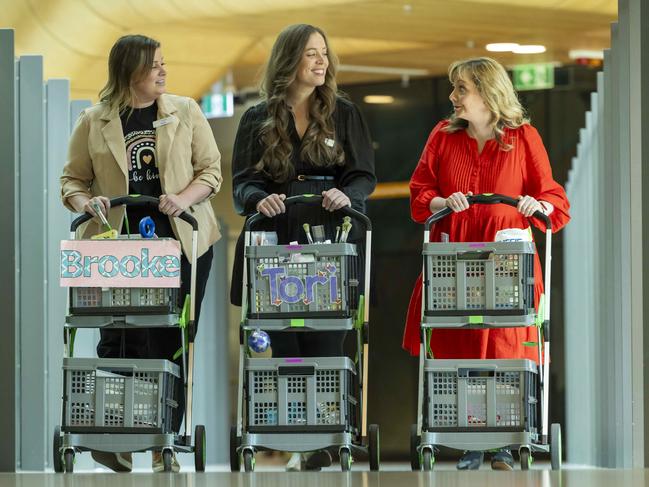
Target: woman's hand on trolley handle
pixel 172 204
pixel 456 202
pixel 333 199
pixel 175 204
pixel 528 205
pixel 272 205
pixel 81 203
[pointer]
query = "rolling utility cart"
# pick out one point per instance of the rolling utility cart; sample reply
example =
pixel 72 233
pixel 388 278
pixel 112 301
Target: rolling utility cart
pixel 304 404
pixel 483 404
pixel 126 405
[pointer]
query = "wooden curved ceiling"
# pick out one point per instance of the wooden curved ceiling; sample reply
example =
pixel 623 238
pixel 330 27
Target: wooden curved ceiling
pixel 203 39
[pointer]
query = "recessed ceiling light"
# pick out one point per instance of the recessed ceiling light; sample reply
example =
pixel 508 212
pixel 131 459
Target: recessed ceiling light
pixel 585 54
pixel 529 49
pixel 501 47
pixel 378 99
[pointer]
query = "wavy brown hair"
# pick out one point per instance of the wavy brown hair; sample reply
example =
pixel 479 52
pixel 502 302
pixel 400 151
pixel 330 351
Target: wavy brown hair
pixel 130 60
pixel 497 93
pixel 279 74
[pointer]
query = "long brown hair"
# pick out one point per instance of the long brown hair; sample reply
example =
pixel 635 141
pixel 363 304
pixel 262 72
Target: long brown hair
pixel 279 74
pixel 129 61
pixel 496 91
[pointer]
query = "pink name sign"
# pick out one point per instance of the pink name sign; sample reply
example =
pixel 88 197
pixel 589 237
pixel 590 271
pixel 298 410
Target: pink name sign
pixel 120 263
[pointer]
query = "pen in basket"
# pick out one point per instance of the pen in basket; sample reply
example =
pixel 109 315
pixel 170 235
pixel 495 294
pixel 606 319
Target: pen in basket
pixel 307 230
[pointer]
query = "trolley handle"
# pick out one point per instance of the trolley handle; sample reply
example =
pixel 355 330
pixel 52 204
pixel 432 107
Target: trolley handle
pixel 312 199
pixel 133 200
pixel 485 199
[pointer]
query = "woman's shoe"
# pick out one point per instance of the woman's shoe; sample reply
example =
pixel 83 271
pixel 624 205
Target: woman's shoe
pixel 471 460
pixel 117 462
pixel 502 460
pixel 310 461
pixel 157 464
pixel 316 460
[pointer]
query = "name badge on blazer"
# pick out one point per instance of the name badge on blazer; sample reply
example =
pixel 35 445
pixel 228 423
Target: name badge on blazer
pixel 163 121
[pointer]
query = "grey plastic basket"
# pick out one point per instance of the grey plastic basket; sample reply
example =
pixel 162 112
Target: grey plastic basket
pixel 113 395
pixel 297 392
pixel 96 300
pixel 481 394
pixel 480 282
pixel 302 281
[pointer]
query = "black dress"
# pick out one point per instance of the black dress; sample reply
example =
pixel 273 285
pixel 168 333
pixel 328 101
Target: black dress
pixel 355 178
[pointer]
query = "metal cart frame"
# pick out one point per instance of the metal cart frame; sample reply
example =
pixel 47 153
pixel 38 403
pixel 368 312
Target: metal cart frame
pixel 360 437
pixel 67 444
pixel 423 441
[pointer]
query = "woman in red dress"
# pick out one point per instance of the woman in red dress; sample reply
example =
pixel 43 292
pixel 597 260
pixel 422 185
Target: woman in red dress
pixel 486 146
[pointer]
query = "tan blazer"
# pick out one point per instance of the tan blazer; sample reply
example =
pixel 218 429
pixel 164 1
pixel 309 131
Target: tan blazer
pixel 186 153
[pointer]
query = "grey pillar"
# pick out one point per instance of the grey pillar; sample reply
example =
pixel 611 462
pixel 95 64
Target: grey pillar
pixel 8 251
pixel 639 132
pixel 57 223
pixel 33 241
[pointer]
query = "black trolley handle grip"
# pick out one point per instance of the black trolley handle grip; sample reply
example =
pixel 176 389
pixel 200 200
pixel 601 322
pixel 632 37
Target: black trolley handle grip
pixel 485 199
pixel 312 199
pixel 134 200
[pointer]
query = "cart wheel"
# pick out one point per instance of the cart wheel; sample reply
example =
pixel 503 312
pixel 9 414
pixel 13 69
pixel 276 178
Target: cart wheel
pixel 555 446
pixel 68 458
pixel 57 458
pixel 414 444
pixel 526 458
pixel 199 448
pixel 427 459
pixel 235 459
pixel 248 460
pixel 345 460
pixel 374 447
pixel 167 456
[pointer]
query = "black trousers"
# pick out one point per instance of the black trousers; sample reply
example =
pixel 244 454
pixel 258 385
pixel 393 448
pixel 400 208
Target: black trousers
pixel 140 343
pixel 307 344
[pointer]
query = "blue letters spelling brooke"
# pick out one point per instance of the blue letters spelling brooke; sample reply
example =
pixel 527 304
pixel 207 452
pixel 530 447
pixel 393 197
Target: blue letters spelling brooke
pixel 73 265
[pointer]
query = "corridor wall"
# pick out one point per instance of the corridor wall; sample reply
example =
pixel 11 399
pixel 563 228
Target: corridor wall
pixel 605 271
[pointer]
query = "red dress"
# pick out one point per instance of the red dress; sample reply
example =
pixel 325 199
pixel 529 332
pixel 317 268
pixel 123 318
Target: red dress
pixel 450 162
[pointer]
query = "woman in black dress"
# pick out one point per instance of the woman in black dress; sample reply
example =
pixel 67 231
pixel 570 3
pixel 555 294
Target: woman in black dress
pixel 304 138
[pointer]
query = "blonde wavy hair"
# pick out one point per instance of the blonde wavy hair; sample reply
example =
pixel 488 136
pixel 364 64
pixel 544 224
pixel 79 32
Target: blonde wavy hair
pixel 130 60
pixel 497 93
pixel 280 73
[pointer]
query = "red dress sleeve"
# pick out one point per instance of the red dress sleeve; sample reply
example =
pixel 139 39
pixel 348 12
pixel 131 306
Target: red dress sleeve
pixel 423 182
pixel 538 180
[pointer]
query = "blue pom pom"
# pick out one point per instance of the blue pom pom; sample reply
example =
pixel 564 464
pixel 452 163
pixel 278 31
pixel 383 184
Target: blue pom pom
pixel 258 341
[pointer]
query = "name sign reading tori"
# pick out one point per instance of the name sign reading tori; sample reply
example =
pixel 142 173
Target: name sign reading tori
pixel 120 263
pixel 291 289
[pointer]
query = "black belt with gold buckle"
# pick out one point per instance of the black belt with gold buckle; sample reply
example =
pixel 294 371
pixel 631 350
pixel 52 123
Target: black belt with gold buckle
pixel 313 177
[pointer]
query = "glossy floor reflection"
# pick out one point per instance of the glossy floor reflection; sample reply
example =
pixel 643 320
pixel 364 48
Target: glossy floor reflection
pixel 399 477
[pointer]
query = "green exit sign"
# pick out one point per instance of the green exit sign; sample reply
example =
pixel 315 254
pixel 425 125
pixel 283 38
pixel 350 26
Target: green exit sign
pixel 534 76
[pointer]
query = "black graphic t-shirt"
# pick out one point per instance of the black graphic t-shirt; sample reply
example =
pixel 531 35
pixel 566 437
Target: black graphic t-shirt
pixel 142 162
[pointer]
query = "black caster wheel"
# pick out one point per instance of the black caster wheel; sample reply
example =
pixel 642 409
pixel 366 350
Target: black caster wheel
pixel 68 459
pixel 235 459
pixel 248 461
pixel 374 447
pixel 57 457
pixel 414 444
pixel 167 458
pixel 427 459
pixel 199 448
pixel 345 460
pixel 526 458
pixel 555 446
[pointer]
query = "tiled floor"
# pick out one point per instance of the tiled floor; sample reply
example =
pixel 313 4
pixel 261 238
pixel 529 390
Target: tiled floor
pixel 392 475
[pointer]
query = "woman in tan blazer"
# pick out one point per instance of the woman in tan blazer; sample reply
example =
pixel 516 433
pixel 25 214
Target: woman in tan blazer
pixel 140 140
